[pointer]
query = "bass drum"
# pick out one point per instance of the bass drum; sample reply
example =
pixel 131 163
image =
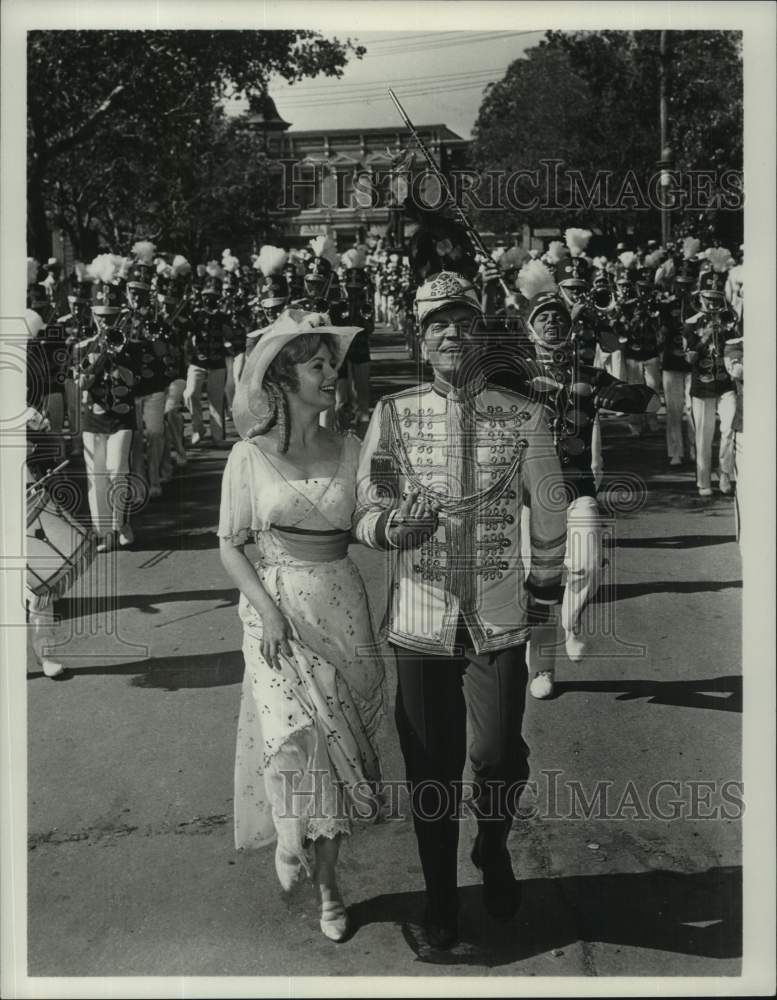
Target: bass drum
pixel 59 549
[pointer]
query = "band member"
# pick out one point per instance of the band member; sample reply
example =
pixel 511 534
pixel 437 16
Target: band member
pixel 675 370
pixel 712 391
pixel 206 357
pixel 324 295
pixel 273 284
pixel 174 319
pixel 464 453
pixel 235 307
pixel 639 332
pixel 272 291
pixel 590 326
pixel 78 326
pixel 56 287
pixel 733 356
pixel 573 392
pixel 110 367
pixel 609 353
pixel 47 355
pixel 361 314
pixel 139 324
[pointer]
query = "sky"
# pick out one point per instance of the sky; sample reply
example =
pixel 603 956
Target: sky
pixel 439 76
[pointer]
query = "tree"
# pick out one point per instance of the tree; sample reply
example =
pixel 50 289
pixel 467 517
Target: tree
pixel 106 109
pixel 590 100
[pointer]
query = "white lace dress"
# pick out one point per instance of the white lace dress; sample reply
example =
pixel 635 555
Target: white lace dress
pixel 306 760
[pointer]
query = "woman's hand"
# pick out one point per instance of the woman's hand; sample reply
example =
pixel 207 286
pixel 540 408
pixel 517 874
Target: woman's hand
pixel 276 633
pixel 415 521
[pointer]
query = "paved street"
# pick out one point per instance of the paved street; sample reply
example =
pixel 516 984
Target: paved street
pixel 132 867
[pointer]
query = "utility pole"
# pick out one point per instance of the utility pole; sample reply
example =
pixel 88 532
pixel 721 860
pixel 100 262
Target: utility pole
pixel 665 163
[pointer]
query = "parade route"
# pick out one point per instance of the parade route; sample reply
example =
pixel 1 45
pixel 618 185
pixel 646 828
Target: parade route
pixel 132 868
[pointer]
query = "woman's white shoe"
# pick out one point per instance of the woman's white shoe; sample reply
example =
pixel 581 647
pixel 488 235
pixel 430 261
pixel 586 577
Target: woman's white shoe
pixel 334 919
pixel 575 646
pixel 541 685
pixel 288 868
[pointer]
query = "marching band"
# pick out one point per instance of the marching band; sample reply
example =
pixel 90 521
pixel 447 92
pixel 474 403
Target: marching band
pixel 646 331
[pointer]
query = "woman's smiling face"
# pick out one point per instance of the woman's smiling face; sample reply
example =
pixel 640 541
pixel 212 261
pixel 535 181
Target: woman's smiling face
pixel 316 380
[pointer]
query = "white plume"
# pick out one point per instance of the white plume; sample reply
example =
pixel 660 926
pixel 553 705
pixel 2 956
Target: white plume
pixel 577 240
pixel 181 266
pixel 356 257
pixel 720 258
pixel 201 270
pixel 654 259
pixel 144 251
pixel 512 257
pixel 229 262
pixel 600 262
pixel 123 265
pixel 104 267
pixel 534 278
pixel 665 271
pixel 215 270
pixel 629 259
pixel 690 247
pixel 556 252
pixel 271 260
pixel 322 246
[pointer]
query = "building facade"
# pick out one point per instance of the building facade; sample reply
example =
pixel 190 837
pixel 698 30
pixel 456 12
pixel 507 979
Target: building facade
pixel 343 182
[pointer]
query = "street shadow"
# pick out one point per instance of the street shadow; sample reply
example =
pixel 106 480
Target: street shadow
pixel 84 607
pixel 174 673
pixel 682 694
pixel 611 593
pixel 157 536
pixel 670 541
pixel 697 914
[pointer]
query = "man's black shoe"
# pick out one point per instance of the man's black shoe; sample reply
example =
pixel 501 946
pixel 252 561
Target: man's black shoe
pixel 442 929
pixel 501 893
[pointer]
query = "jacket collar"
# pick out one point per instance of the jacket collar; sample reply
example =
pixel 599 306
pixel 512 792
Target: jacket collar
pixel 459 393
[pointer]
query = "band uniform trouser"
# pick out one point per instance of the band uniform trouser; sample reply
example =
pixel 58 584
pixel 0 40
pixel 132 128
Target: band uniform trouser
pixel 612 363
pixel 643 373
pixel 438 697
pixel 45 632
pixel 173 421
pixel 107 465
pixel 739 458
pixel 147 456
pixel 584 561
pixel 214 379
pixel 704 410
pixel 677 389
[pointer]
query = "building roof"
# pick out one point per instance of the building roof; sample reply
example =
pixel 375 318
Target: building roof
pixel 262 111
pixel 445 132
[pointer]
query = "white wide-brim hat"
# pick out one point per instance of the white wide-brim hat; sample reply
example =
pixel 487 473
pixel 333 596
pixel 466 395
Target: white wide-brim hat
pixel 251 408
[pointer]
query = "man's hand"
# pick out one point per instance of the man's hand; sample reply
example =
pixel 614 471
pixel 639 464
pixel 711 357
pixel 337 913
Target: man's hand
pixel 489 271
pixel 415 521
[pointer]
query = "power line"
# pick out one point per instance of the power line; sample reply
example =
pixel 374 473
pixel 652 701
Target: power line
pixel 372 98
pixel 450 43
pixel 335 88
pixel 300 100
pixel 410 36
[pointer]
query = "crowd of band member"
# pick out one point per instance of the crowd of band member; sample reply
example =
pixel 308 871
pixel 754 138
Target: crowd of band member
pixel 120 347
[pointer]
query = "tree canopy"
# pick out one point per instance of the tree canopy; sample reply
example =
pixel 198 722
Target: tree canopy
pixel 591 101
pixel 126 128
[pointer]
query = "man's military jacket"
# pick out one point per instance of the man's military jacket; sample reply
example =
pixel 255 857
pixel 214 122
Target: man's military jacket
pixel 480 453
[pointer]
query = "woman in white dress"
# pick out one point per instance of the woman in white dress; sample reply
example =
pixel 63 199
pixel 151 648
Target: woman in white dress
pixel 313 694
